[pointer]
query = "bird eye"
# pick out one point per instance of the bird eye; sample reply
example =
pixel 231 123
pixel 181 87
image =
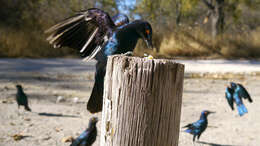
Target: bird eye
pixel 147 31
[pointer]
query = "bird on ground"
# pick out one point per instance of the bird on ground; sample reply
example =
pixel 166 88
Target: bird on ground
pixel 235 93
pixel 88 137
pixel 198 127
pixel 21 98
pixel 96 36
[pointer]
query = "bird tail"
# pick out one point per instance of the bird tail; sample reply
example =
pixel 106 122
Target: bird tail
pixel 250 99
pixel 241 109
pixel 95 101
pixel 27 108
pixel 188 130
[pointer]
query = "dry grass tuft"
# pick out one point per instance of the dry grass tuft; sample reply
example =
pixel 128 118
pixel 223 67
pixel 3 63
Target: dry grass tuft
pixel 196 43
pixel 27 43
pixel 182 43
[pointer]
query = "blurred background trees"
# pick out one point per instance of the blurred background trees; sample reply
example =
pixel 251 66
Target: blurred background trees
pixel 185 28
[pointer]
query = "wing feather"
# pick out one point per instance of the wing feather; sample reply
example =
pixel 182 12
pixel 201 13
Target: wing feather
pixel 243 93
pixel 84 32
pixel 229 97
pixel 90 39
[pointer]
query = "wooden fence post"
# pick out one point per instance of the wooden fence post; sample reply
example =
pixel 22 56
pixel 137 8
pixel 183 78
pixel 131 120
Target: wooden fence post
pixel 142 102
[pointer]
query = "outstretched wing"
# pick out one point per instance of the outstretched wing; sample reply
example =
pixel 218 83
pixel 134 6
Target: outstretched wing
pixel 120 19
pixel 243 93
pixel 229 96
pixel 86 31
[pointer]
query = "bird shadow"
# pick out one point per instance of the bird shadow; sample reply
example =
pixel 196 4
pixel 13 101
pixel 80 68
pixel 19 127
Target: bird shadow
pixel 57 115
pixel 213 144
pixel 25 136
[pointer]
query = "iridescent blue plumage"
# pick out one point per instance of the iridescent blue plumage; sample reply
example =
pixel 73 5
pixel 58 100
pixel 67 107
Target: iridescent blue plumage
pixel 240 106
pixel 235 94
pixel 120 19
pixel 229 96
pixel 123 39
pixel 88 137
pixel 240 89
pixel 198 127
pixel 96 35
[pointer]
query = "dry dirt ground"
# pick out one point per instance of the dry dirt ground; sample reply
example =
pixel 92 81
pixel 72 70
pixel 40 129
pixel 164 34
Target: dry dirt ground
pixel 50 122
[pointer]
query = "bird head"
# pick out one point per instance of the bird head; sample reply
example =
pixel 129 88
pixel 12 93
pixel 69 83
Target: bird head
pixel 233 85
pixel 145 31
pixel 230 90
pixel 206 112
pixel 93 121
pixel 18 86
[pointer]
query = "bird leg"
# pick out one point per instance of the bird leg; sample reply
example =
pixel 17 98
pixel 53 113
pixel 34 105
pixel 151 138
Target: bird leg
pixel 193 143
pixel 129 53
pixel 18 110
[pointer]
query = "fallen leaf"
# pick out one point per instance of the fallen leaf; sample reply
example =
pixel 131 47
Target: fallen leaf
pixel 7 101
pixel 12 124
pixel 4 101
pixel 58 129
pixel 27 119
pixel 67 139
pixel 6 88
pixel 17 137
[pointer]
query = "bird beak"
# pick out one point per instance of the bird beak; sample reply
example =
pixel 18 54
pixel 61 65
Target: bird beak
pixel 210 112
pixel 149 43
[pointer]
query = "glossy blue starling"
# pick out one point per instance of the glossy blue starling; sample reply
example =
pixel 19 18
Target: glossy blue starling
pixel 21 98
pixel 198 127
pixel 88 137
pixel 96 35
pixel 235 93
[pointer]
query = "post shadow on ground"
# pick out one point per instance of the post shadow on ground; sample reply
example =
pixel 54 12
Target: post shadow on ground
pixel 56 115
pixel 213 144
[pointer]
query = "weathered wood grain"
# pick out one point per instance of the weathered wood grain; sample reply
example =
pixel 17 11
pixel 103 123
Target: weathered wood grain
pixel 142 102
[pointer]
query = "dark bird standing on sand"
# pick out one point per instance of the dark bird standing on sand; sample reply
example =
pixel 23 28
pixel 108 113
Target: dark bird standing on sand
pixel 96 35
pixel 235 93
pixel 21 98
pixel 88 137
pixel 197 128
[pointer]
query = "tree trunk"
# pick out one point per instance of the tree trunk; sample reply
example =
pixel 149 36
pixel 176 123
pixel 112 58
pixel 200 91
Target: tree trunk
pixel 178 12
pixel 218 18
pixel 142 102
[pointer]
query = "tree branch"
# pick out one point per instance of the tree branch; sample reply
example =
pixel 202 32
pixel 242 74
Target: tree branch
pixel 208 4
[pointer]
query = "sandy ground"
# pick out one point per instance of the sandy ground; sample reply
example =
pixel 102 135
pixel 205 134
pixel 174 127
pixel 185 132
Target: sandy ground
pixel 45 80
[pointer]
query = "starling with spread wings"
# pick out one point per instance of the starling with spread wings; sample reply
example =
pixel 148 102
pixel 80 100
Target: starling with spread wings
pixel 96 36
